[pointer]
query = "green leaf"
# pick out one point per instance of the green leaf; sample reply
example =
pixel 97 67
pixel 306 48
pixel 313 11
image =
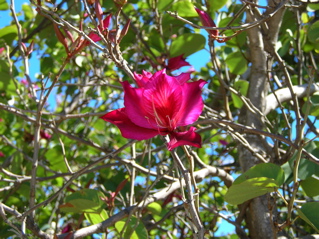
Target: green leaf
pixel 250 188
pixel 310 213
pixel 187 44
pixel 306 167
pixel 85 200
pixel 28 11
pixel 9 33
pixel 95 218
pixel 310 186
pixel 313 32
pixel 163 4
pixel 313 7
pixel 155 208
pixel 3 5
pixel 6 82
pixel 184 8
pixel 236 63
pixel 216 4
pixel 134 229
pixel 56 159
pixel 242 87
pixel 268 170
pixel 314 105
pixel 304 17
pixel 46 64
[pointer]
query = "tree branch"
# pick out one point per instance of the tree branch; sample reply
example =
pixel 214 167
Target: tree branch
pixel 284 95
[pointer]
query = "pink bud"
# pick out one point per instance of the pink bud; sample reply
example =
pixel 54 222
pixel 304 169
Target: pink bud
pixel 45 135
pixel 125 28
pixel 99 12
pixel 223 142
pixel 61 37
pixel 207 21
pixel 24 48
pixel 30 48
pixel 69 35
pixel 24 82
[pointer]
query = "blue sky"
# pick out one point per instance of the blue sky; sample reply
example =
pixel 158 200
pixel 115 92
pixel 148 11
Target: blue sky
pixel 197 60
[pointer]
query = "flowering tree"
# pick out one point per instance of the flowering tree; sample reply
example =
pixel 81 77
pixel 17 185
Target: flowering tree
pixel 118 136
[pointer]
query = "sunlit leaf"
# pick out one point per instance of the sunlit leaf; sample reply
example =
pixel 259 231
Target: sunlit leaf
pixel 9 33
pixel 28 11
pixel 85 200
pixel 155 208
pixel 134 229
pixel 3 5
pixel 216 4
pixel 250 188
pixel 236 63
pixel 187 44
pixel 6 82
pixel 242 87
pixel 163 4
pixel 55 157
pixel 268 170
pixel 184 8
pixel 95 218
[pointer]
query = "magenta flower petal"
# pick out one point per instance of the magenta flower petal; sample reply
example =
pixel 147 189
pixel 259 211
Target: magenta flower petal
pixel 176 63
pixel 142 79
pixel 160 105
pixel 189 137
pixel 95 37
pixel 162 101
pixel 193 103
pixel 183 77
pixel 128 129
pixel 134 106
pixel 106 21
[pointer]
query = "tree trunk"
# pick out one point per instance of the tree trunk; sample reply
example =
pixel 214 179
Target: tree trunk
pixel 261 42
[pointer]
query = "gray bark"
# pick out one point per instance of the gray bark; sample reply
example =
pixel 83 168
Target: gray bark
pixel 261 39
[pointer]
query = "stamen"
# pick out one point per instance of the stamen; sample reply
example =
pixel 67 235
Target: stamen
pixel 171 125
pixel 157 118
pixel 157 128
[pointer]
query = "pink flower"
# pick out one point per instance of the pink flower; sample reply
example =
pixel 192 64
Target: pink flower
pixel 2 154
pixel 176 63
pixel 24 82
pixel 223 142
pixel 161 105
pixel 67 228
pixel 45 135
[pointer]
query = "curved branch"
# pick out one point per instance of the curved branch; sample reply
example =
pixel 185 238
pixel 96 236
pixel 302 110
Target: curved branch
pixel 284 95
pixel 250 130
pixel 160 195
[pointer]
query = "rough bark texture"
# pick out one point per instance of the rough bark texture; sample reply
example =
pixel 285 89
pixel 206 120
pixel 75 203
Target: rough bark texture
pixel 261 41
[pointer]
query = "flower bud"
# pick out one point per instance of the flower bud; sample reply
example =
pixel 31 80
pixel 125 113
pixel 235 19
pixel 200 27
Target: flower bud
pixel 207 21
